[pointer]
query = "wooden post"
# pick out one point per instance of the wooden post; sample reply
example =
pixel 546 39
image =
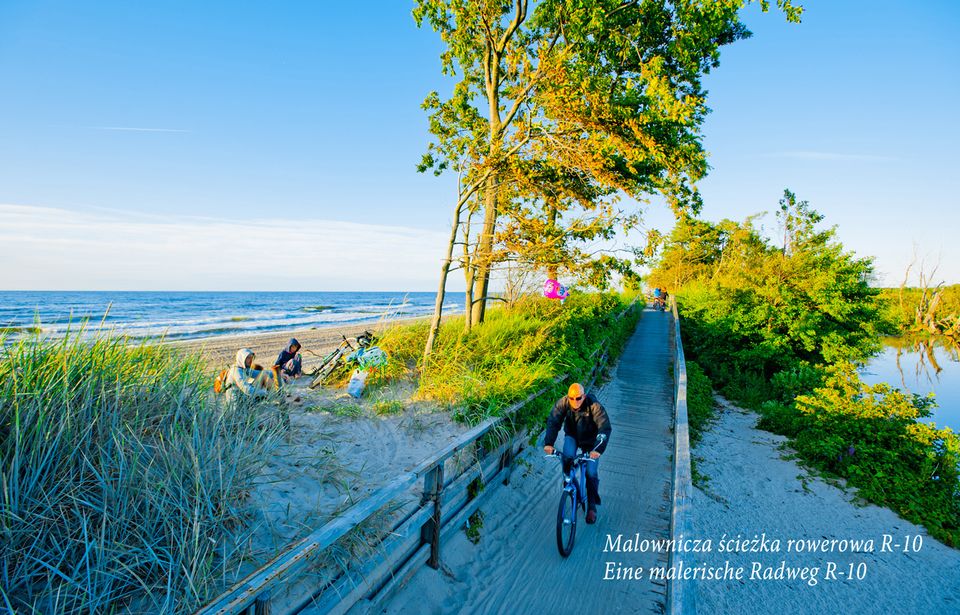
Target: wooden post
pixel 506 463
pixel 261 606
pixel 432 490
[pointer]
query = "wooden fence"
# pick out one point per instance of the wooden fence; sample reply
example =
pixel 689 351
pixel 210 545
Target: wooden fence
pixel 681 595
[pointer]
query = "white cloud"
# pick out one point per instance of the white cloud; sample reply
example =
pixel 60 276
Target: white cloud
pixel 51 248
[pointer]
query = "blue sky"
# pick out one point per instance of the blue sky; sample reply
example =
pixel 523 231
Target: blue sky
pixel 185 145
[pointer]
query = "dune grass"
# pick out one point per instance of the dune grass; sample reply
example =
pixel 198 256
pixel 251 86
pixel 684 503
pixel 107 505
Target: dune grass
pixel 122 480
pixel 519 349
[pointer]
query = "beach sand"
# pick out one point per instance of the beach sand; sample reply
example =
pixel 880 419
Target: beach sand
pixel 754 487
pixel 337 451
pixel 220 351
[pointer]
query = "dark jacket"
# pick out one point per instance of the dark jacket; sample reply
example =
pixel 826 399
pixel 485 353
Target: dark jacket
pixel 584 424
pixel 285 354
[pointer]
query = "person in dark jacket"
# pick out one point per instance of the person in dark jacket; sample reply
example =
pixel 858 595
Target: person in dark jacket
pixel 585 425
pixel 290 361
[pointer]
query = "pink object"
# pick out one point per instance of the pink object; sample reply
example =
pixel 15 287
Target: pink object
pixel 554 290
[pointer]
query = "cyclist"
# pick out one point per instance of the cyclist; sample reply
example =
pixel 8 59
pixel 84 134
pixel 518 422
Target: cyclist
pixel 657 298
pixel 585 425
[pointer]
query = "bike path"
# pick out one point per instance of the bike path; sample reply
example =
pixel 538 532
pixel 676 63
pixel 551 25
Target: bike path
pixel 515 567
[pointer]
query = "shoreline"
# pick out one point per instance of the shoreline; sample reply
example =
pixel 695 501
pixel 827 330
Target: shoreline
pixel 220 350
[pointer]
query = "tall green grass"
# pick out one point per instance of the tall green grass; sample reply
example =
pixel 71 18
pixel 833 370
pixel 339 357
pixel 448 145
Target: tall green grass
pixel 121 480
pixel 517 350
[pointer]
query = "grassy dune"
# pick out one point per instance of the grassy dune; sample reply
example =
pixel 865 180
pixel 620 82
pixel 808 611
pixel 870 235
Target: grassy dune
pixel 122 479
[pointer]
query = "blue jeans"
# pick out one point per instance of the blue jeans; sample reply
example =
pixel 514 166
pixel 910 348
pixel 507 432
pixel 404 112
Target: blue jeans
pixel 592 468
pixel 293 367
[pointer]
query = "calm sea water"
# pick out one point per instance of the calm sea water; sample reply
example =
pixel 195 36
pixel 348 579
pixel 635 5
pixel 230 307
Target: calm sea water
pixel 183 315
pixel 922 368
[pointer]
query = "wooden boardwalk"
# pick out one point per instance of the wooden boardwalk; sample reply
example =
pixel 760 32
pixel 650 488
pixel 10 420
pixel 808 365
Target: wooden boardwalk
pixel 515 567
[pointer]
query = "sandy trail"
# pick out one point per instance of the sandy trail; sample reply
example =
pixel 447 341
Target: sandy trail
pixel 752 489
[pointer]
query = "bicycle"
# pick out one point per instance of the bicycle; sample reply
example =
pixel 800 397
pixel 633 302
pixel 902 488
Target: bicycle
pixel 574 496
pixel 332 360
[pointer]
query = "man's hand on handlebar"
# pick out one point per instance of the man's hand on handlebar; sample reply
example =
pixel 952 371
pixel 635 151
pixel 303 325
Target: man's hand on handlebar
pixel 594 455
pixel 548 449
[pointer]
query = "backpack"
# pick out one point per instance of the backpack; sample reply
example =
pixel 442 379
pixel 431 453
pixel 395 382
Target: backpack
pixel 220 382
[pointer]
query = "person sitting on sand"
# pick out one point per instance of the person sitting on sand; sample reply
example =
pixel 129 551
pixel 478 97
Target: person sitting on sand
pixel 289 361
pixel 585 425
pixel 248 377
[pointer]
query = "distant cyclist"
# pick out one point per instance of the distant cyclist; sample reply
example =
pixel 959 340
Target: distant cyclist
pixel 585 425
pixel 657 298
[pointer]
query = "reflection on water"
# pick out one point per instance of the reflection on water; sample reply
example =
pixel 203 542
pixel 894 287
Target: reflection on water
pixel 922 366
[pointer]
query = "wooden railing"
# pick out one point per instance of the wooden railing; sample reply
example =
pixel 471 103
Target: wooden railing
pixel 681 595
pixel 416 537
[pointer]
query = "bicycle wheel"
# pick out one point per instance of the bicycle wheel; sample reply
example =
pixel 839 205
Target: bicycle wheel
pixel 566 522
pixel 324 371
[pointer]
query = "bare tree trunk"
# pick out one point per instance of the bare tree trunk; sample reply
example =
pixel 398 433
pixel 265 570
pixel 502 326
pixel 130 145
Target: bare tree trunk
pixel 441 291
pixel 932 357
pixel 445 269
pixel 484 255
pixel 468 274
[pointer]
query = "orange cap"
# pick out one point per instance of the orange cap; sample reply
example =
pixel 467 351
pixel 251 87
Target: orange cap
pixel 575 390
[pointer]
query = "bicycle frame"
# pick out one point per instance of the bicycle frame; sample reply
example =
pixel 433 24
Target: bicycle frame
pixel 574 487
pixel 330 362
pixel 576 479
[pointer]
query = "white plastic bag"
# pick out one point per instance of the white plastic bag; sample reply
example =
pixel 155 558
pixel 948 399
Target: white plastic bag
pixel 357 381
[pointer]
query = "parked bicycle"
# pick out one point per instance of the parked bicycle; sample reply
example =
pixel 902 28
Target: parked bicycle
pixel 573 496
pixel 338 356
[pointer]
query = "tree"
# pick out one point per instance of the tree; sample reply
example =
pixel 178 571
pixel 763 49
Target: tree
pixel 567 107
pixel 774 309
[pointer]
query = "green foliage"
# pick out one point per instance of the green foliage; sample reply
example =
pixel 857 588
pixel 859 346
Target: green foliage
pixel 403 345
pixel 473 527
pixel 519 349
pixel 562 105
pixel 387 407
pixel 779 329
pixel 122 478
pixel 348 410
pixel 700 407
pixel 870 435
pixel 752 309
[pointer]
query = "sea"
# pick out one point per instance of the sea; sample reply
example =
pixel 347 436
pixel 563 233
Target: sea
pixel 190 315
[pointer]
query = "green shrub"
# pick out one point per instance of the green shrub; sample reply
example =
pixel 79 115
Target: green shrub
pixel 870 435
pixel 700 408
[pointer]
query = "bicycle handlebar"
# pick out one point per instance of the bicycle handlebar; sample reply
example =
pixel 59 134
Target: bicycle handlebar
pixel 581 457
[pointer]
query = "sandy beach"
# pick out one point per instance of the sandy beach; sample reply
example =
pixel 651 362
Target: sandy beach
pixel 755 488
pixel 220 351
